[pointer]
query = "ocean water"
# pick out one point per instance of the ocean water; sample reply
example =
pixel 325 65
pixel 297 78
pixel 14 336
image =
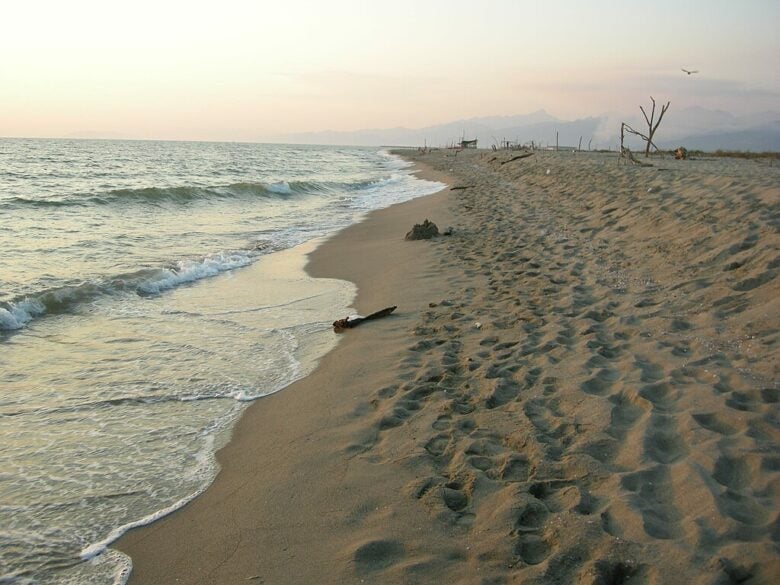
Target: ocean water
pixel 148 292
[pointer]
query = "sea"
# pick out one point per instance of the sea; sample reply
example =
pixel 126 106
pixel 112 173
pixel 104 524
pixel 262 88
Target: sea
pixel 150 291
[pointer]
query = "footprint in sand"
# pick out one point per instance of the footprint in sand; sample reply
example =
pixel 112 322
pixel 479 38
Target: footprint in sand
pixel 504 390
pixel 454 498
pixel 715 422
pixel 600 384
pixel 377 555
pixel 654 498
pixel 515 467
pixel 610 572
pixel 626 412
pixel 663 444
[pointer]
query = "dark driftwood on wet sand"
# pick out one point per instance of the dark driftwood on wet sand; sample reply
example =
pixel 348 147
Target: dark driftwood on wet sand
pixel 461 187
pixel 350 322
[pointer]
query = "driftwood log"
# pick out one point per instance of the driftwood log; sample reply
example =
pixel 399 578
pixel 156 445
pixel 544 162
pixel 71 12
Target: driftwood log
pixel 626 153
pixel 354 321
pixel 518 157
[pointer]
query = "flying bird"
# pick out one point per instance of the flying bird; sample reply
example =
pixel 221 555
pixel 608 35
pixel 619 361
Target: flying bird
pixel 689 72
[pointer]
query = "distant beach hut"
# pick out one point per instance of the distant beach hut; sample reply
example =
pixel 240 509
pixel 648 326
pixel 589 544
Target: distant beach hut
pixel 468 143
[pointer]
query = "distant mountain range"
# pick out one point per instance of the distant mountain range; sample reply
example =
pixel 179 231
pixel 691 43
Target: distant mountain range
pixel 99 135
pixel 694 128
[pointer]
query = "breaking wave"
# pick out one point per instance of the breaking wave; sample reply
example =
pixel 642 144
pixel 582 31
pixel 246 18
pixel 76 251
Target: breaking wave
pixel 17 313
pixel 193 193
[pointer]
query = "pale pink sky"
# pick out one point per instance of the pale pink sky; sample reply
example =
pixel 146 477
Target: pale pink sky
pixel 234 70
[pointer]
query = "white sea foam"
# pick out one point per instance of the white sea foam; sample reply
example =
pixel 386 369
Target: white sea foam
pixel 281 188
pixel 190 271
pixel 18 314
pixel 206 470
pixel 99 547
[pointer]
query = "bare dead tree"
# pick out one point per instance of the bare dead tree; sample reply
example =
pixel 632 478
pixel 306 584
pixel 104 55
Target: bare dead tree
pixel 625 151
pixel 652 124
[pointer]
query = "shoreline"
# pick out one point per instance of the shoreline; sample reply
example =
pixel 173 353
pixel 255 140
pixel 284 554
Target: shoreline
pixel 279 279
pixel 581 385
pixel 345 256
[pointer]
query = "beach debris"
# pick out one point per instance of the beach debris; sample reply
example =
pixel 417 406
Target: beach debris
pixel 518 157
pixel 448 231
pixel 477 325
pixel 625 153
pixel 423 231
pixel 355 320
pixel 681 153
pixel 548 172
pixel 461 187
pixel 652 126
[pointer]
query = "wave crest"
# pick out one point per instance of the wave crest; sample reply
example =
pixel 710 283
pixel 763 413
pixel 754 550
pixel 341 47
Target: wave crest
pixel 18 313
pixel 193 193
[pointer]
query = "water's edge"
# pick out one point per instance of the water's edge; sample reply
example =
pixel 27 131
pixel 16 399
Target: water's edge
pixel 101 552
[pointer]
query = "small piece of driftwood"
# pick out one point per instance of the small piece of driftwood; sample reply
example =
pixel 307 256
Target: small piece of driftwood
pixel 626 152
pixel 518 157
pixel 355 320
pixel 461 187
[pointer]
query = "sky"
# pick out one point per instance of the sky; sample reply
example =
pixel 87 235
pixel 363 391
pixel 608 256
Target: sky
pixel 241 70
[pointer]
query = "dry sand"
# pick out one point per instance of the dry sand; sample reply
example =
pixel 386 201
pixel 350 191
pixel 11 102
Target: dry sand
pixel 580 386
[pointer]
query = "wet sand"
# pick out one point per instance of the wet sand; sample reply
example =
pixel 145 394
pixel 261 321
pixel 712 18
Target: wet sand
pixel 580 385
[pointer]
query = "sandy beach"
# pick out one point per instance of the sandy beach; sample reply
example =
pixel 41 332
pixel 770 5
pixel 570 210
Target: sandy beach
pixel 579 385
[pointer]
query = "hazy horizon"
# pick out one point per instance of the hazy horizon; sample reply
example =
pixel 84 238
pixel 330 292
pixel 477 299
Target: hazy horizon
pixel 243 72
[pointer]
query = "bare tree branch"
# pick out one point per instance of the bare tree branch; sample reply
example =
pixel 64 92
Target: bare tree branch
pixel 652 124
pixel 625 152
pixel 652 113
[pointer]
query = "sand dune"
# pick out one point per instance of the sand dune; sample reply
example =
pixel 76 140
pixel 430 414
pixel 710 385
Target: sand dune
pixel 581 387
